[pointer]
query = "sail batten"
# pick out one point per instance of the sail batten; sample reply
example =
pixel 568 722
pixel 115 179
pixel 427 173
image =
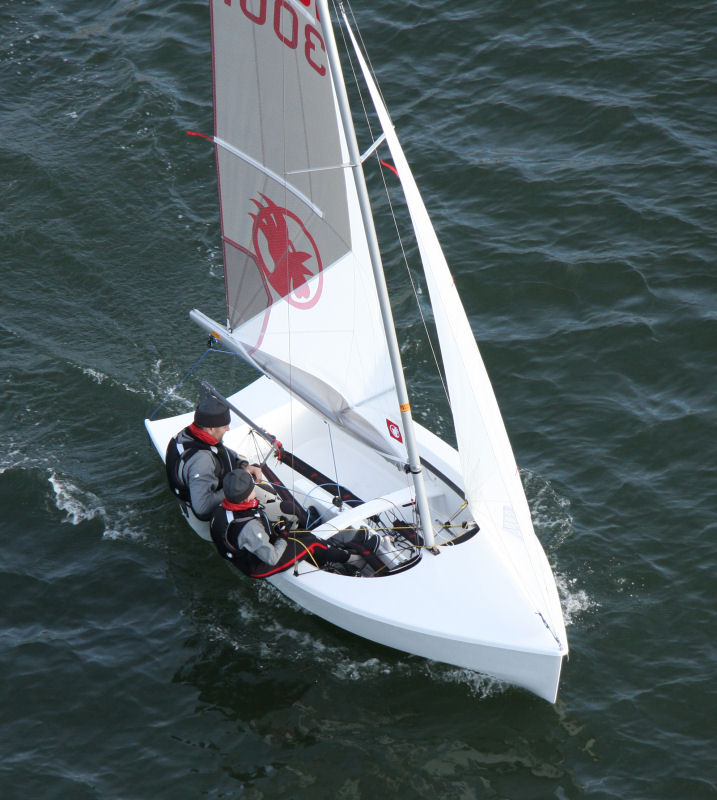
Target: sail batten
pixel 346 165
pixel 271 174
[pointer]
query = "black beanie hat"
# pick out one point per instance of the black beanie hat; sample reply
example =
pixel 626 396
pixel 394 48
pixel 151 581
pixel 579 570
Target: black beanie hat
pixel 237 485
pixel 211 413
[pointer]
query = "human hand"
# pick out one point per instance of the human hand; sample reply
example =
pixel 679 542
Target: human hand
pixel 255 471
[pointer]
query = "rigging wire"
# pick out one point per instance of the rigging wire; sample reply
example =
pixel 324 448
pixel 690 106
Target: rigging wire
pixel 349 50
pixel 170 393
pixel 333 456
pixel 287 67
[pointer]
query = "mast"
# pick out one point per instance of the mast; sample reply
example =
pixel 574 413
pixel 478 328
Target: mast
pixel 414 461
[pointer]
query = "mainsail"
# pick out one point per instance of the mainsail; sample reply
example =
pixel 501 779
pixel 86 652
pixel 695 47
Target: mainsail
pixel 301 300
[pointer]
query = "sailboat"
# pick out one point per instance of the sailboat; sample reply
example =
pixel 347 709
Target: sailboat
pixel 464 579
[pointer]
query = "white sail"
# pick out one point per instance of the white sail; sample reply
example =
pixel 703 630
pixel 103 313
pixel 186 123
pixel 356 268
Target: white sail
pixel 493 487
pixel 301 300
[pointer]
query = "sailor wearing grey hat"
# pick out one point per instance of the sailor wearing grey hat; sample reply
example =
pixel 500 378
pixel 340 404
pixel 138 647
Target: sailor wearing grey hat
pixel 244 535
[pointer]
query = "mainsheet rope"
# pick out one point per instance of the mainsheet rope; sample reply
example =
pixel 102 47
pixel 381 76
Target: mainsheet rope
pixel 210 348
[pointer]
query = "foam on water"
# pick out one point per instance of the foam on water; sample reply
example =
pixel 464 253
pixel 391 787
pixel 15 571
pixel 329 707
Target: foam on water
pixel 553 523
pixel 14 458
pixel 274 641
pixel 81 505
pixel 479 686
pixel 573 599
pixel 100 377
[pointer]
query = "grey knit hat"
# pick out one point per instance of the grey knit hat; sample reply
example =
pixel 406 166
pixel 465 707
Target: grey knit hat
pixel 211 413
pixel 237 485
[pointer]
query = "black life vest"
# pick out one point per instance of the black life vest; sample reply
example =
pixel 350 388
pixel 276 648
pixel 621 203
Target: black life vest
pixel 225 530
pixel 226 527
pixel 180 449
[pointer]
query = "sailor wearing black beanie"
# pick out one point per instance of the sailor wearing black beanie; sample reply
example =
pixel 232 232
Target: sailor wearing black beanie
pixel 197 461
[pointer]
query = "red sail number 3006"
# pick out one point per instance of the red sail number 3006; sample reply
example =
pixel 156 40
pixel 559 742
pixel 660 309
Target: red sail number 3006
pixel 287 27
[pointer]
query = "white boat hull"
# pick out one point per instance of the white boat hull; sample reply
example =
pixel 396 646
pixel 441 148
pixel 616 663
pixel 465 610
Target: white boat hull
pixel 465 606
pixel 403 613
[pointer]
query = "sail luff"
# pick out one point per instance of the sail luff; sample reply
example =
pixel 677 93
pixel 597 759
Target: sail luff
pixel 379 277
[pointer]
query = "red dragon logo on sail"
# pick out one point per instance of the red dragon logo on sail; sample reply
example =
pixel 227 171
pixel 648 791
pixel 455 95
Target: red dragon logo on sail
pixel 286 254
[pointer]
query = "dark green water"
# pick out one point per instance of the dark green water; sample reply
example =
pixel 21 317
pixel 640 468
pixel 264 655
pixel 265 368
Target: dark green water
pixel 567 154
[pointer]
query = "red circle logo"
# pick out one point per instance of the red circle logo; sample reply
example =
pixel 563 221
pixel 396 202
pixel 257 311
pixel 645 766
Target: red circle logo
pixel 287 254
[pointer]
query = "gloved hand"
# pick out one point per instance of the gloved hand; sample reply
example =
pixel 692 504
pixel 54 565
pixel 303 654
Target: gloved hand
pixel 280 527
pixel 255 471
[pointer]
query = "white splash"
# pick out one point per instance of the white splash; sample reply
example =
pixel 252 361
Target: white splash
pixel 96 375
pixel 82 505
pixel 481 686
pixel 69 498
pixel 574 601
pixel 554 525
pixel 12 458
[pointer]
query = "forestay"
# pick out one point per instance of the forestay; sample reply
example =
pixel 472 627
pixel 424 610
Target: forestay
pixel 301 300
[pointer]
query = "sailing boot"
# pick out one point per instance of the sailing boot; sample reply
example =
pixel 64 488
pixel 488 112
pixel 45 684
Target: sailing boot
pixel 365 545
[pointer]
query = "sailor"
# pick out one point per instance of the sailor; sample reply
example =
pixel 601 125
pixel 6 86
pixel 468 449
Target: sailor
pixel 244 535
pixel 197 460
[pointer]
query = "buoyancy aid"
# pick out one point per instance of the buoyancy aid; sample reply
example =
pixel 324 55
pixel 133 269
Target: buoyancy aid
pixel 227 525
pixel 181 448
pixel 225 530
